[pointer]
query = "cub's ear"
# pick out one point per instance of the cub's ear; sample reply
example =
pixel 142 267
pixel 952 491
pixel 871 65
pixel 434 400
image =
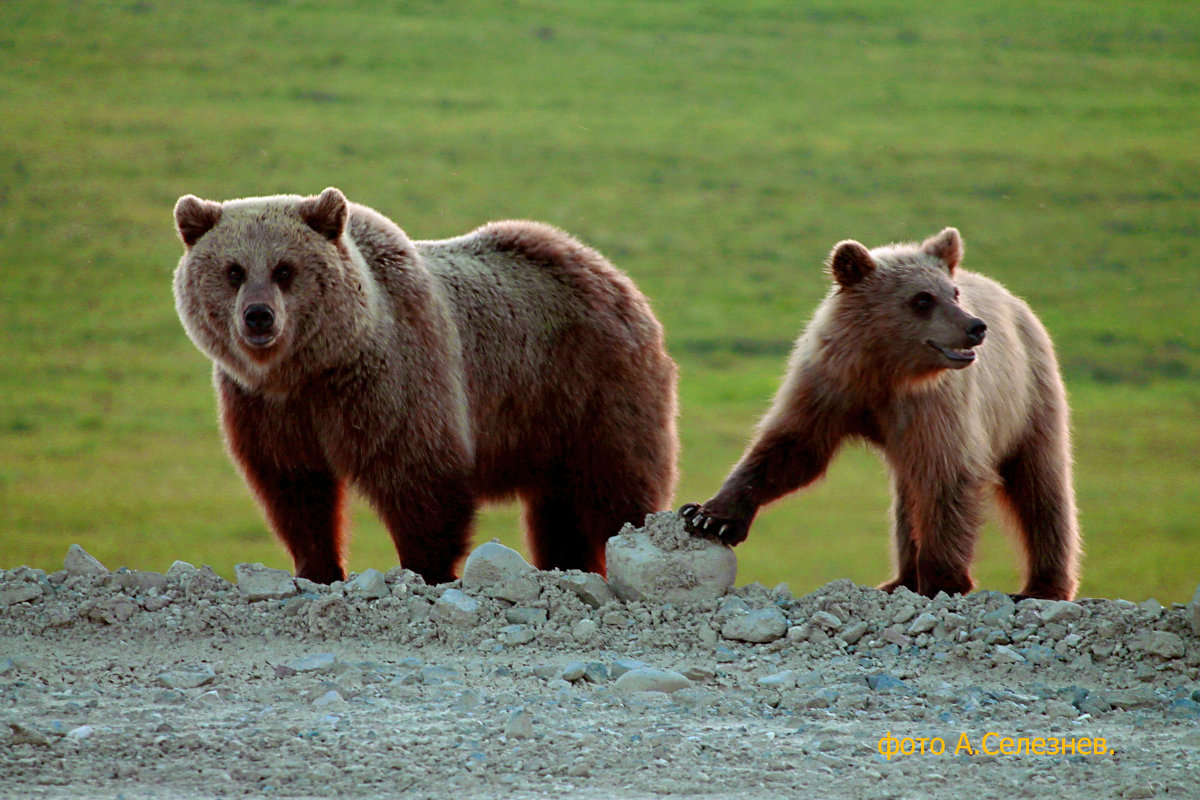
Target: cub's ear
pixel 326 213
pixel 947 247
pixel 195 217
pixel 850 262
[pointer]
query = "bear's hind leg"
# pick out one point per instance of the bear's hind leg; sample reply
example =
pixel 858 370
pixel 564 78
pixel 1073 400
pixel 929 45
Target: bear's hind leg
pixel 1036 490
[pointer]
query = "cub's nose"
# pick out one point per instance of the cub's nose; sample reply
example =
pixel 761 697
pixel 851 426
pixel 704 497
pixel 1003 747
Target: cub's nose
pixel 976 330
pixel 259 318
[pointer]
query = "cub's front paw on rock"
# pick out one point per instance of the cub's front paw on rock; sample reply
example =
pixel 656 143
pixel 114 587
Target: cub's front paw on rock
pixel 702 521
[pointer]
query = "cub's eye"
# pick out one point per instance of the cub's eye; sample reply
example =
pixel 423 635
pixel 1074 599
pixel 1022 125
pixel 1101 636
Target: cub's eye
pixel 236 275
pixel 282 274
pixel 923 301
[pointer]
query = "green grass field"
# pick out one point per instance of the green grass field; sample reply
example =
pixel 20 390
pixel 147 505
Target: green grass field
pixel 714 151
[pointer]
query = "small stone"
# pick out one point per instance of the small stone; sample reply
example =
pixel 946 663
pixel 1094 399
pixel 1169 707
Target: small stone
pixel 1151 607
pixel 853 632
pixel 588 587
pixel 320 663
pixel 701 674
pixel 178 569
pixel 257 582
pixel 887 683
pixel 998 617
pixel 1059 709
pixel 514 589
pixel 1138 791
pixel 24 734
pixel 622 665
pixel 1003 654
pixel 456 608
pixel 370 584
pixel 81 562
pixel 573 671
pixel 188 677
pixel 19 593
pixel 491 563
pixel 523 615
pixel 1163 644
pixel 650 679
pixel 779 681
pixel 80 733
pixel 513 635
pixel 1127 699
pixel 759 626
pixel 330 700
pixel 1062 611
pixel 519 725
pixel 138 581
pixel 584 630
pixel 824 619
pixel 922 624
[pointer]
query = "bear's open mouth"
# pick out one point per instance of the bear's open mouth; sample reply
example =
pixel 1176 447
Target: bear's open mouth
pixel 961 357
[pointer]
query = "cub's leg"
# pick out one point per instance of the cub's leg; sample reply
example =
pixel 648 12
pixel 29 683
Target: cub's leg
pixel 301 496
pixel 947 519
pixel 1036 490
pixel 904 543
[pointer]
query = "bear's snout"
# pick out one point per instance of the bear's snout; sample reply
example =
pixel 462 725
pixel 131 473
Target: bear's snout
pixel 258 321
pixel 976 329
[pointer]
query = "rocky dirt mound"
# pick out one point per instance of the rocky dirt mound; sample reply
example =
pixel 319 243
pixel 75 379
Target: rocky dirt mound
pixel 519 683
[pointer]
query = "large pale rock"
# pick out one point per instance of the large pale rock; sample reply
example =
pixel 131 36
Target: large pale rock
pixel 650 679
pixel 257 582
pixel 758 626
pixel 492 563
pixel 81 562
pixel 663 563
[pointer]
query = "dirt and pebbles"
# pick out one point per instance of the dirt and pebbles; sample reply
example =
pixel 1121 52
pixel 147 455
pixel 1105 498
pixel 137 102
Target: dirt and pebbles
pixel 524 684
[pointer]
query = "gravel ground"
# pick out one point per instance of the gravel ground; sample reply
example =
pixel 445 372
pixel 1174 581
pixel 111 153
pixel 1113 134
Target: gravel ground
pixel 526 684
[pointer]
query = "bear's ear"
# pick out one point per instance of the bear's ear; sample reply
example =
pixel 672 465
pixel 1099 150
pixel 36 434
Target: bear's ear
pixel 195 217
pixel 850 262
pixel 947 247
pixel 326 213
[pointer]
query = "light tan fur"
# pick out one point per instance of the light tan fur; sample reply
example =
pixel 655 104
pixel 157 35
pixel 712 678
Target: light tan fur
pixel 873 363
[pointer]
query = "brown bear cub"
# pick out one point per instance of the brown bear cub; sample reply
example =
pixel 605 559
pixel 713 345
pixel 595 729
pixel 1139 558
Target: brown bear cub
pixel 430 375
pixel 889 357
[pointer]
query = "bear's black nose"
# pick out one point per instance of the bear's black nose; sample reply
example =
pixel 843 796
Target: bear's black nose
pixel 259 318
pixel 975 331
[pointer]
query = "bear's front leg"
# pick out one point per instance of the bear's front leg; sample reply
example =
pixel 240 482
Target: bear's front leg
pixel 727 520
pixel 300 495
pixel 948 518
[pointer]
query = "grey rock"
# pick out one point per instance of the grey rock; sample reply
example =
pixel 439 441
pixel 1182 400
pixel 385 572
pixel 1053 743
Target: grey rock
pixel 1062 611
pixel 588 587
pixel 138 581
pixel 888 684
pixel 998 617
pixel 179 569
pixel 1162 644
pixel 573 671
pixel 512 635
pixel 1127 699
pixel 320 663
pixel 1003 654
pixel 369 584
pixel 16 593
pixel 519 725
pixel 188 677
pixel 824 619
pixel 584 630
pixel 523 615
pixel 922 624
pixel 491 563
pixel 853 632
pixel 650 679
pixel 456 608
pixel 639 569
pixel 25 734
pixel 780 680
pixel 81 562
pixel 1194 611
pixel 759 626
pixel 622 665
pixel 330 700
pixel 515 589
pixel 257 582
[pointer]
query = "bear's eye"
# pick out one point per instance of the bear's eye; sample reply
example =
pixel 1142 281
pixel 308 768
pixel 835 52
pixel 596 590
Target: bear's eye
pixel 282 274
pixel 923 301
pixel 236 275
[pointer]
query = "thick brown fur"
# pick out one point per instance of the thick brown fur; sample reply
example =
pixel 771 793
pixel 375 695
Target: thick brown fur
pixel 430 375
pixel 887 358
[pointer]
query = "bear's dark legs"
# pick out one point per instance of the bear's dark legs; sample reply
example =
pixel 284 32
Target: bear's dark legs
pixel 903 542
pixel 569 526
pixel 305 510
pixel 430 522
pixel 947 524
pixel 1036 489
pixel 303 502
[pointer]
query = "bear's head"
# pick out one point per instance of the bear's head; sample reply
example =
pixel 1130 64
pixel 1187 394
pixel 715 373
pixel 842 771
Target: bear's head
pixel 258 276
pixel 901 308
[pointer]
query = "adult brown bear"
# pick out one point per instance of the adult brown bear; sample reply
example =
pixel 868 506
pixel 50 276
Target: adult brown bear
pixel 888 357
pixel 431 375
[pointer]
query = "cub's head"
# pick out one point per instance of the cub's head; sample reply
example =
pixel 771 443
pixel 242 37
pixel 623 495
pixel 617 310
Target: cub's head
pixel 251 288
pixel 903 304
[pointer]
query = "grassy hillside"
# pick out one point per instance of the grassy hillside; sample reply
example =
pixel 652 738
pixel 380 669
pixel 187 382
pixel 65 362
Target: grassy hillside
pixel 715 153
